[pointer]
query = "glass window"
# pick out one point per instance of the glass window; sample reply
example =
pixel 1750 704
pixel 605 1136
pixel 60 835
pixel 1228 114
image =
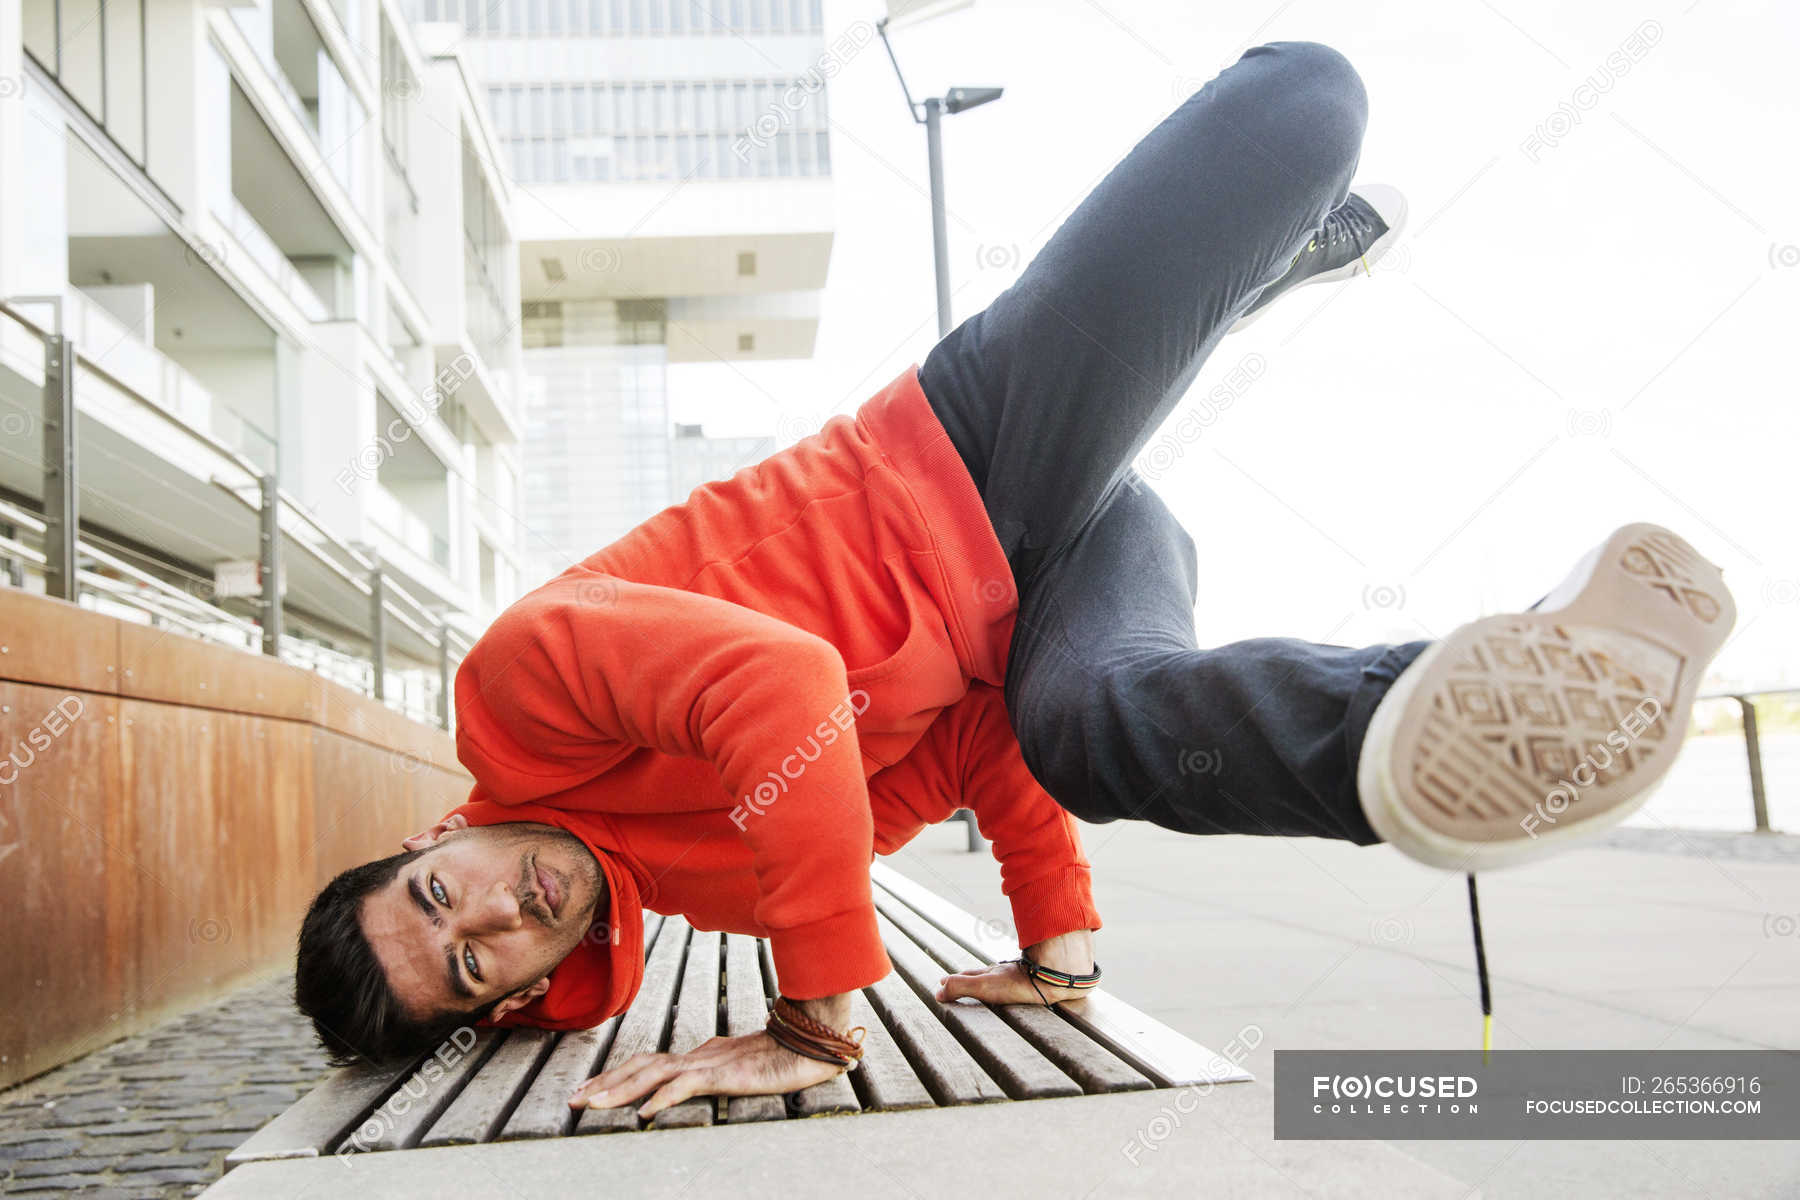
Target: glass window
pixel 124 59
pixel 472 16
pixel 665 162
pixel 657 8
pixel 818 14
pixel 553 18
pixel 823 147
pixel 79 68
pixel 661 93
pixel 737 16
pixel 637 17
pixel 578 110
pixel 797 19
pixel 684 155
pixel 616 26
pixel 515 17
pixel 784 152
pixel 678 10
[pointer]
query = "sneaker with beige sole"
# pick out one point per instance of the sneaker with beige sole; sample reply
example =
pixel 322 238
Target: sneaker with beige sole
pixel 1522 734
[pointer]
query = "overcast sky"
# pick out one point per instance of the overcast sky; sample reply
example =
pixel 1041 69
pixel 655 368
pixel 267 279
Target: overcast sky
pixel 1591 319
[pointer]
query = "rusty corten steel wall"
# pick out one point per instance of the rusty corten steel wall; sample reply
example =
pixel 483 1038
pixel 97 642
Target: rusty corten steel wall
pixel 168 808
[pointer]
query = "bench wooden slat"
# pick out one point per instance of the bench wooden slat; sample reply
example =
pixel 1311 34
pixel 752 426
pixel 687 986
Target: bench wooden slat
pixel 1014 1063
pixel 696 1021
pixel 1169 1058
pixel 1084 1060
pixel 835 1095
pixel 746 1012
pixel 884 1079
pixel 426 1096
pixel 479 1109
pixel 323 1117
pixel 944 1067
pixel 544 1111
pixel 644 1025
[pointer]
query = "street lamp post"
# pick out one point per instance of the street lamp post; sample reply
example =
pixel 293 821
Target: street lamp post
pixel 956 100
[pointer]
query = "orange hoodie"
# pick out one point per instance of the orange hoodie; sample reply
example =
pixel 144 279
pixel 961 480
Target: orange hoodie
pixel 742 701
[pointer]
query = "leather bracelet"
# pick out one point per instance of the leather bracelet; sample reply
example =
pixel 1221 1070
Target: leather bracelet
pixel 787 1041
pixel 794 1030
pixel 1035 971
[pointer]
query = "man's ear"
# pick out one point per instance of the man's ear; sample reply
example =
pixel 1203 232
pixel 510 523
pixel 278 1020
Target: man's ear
pixel 520 999
pixel 449 824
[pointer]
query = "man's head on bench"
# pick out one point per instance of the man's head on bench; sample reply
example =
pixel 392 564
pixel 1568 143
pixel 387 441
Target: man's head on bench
pixel 396 954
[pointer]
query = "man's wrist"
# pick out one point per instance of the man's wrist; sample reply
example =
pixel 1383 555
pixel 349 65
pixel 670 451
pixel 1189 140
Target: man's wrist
pixel 828 1010
pixel 1071 952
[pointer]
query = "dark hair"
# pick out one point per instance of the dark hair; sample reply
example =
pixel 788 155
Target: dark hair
pixel 340 984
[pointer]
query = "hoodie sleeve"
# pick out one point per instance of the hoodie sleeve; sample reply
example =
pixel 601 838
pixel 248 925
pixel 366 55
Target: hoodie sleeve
pixel 970 758
pixel 574 675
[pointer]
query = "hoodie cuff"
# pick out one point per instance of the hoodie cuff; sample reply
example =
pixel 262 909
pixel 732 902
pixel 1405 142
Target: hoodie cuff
pixel 1060 902
pixel 838 954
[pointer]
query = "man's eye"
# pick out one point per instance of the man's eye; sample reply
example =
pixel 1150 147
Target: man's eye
pixel 438 893
pixel 469 962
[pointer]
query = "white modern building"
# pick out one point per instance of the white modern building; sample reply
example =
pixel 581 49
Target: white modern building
pixel 278 233
pixel 673 164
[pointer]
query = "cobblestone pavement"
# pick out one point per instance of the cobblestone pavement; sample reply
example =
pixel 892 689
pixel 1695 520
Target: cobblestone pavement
pixel 154 1115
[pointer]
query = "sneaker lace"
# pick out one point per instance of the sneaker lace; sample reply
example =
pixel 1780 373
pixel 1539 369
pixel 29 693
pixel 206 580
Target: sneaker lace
pixel 1347 223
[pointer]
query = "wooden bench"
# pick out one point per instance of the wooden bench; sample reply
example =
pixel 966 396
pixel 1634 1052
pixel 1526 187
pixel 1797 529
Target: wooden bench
pixel 490 1085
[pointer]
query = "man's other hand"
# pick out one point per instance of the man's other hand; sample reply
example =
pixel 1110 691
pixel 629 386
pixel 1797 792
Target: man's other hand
pixel 751 1065
pixel 1007 983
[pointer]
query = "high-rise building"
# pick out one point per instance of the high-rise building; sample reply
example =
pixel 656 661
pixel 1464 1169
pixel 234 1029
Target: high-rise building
pixel 278 235
pixel 673 165
pixel 696 458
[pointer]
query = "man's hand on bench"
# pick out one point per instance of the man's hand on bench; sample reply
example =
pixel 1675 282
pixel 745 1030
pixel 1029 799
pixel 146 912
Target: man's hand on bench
pixel 1007 983
pixel 754 1064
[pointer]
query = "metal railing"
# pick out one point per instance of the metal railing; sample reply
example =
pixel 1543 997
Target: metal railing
pixel 1746 702
pixel 74 568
